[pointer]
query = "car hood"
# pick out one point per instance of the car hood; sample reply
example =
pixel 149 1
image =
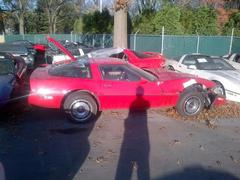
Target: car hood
pixel 168 75
pixel 179 81
pixel 6 86
pixel 231 75
pixel 61 48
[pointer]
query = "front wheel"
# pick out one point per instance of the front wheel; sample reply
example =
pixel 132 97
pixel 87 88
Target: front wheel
pixel 80 107
pixel 191 103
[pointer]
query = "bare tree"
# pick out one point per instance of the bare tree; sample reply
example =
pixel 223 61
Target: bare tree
pixel 79 4
pixel 120 23
pixel 52 8
pixel 19 8
pixel 146 5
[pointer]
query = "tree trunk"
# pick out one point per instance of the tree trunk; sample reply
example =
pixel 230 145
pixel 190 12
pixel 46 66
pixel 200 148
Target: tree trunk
pixel 50 25
pixel 120 28
pixel 21 24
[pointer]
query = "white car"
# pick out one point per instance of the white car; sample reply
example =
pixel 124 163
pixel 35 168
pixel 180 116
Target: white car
pixel 212 68
pixel 233 59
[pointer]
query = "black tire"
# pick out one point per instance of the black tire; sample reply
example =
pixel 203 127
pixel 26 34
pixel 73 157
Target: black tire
pixel 171 68
pixel 80 107
pixel 191 103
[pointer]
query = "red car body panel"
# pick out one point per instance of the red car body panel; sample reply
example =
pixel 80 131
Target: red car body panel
pixel 151 60
pixel 39 47
pixel 50 91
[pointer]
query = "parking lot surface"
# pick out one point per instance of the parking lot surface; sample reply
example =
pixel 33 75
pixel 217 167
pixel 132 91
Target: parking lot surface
pixel 42 144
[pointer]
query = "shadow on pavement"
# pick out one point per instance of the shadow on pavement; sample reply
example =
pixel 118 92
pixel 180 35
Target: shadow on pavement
pixel 198 173
pixel 134 153
pixel 42 144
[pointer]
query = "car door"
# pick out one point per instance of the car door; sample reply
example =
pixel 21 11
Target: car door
pixel 121 87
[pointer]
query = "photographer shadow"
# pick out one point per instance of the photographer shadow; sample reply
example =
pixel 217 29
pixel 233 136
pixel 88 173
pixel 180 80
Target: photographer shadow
pixel 134 153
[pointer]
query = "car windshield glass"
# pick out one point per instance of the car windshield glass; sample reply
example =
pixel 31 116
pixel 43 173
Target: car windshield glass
pixel 142 73
pixel 213 64
pixel 78 69
pixel 6 67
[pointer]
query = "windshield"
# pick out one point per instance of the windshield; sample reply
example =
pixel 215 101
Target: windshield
pixel 6 67
pixel 142 73
pixel 213 64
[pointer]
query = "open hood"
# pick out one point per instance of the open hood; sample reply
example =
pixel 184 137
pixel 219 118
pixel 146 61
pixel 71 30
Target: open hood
pixel 61 47
pixel 106 52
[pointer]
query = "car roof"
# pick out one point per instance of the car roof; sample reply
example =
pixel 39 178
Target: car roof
pixel 106 61
pixel 105 52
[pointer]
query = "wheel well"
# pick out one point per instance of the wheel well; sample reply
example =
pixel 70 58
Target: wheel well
pixel 82 92
pixel 217 82
pixel 196 86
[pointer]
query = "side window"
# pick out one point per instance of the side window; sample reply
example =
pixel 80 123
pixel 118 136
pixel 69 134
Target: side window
pixel 75 70
pixel 118 73
pixel 188 60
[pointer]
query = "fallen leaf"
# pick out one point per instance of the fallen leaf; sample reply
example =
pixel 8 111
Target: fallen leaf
pixel 218 162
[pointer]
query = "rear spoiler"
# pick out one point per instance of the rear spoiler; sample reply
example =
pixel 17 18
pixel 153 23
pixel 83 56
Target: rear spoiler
pixel 61 47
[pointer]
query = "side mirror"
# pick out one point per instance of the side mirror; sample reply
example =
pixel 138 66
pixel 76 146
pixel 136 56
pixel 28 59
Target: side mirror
pixel 193 67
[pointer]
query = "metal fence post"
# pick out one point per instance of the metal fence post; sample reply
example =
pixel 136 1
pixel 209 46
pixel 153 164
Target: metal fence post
pixel 103 41
pixel 198 42
pixel 135 39
pixel 93 41
pixel 162 39
pixel 231 42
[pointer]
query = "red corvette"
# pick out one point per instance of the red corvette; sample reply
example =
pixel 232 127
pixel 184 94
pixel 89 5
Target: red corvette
pixel 82 88
pixel 144 60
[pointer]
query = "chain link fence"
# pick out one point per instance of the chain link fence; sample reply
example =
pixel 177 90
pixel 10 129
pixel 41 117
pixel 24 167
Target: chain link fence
pixel 170 45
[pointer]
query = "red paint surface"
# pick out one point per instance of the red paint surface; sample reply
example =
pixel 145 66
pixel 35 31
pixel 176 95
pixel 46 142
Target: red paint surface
pixel 112 94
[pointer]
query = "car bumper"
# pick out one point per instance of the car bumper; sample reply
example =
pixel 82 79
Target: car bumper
pixel 45 101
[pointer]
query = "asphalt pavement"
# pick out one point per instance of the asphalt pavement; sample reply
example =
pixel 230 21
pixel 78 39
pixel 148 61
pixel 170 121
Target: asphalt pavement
pixel 41 144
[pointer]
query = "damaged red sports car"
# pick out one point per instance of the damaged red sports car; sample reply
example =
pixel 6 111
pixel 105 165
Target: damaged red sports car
pixel 83 88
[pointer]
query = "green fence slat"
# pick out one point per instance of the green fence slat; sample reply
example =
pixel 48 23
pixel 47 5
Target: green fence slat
pixel 173 45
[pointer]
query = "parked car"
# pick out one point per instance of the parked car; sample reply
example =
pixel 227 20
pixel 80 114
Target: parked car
pixel 140 59
pixel 18 51
pixel 30 45
pixel 59 51
pixel 12 76
pixel 82 88
pixel 213 68
pixel 233 59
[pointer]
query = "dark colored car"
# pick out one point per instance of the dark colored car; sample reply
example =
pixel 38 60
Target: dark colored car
pixel 12 75
pixel 18 51
pixel 30 45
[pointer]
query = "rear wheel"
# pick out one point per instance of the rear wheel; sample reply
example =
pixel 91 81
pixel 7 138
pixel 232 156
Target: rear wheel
pixel 80 107
pixel 191 103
